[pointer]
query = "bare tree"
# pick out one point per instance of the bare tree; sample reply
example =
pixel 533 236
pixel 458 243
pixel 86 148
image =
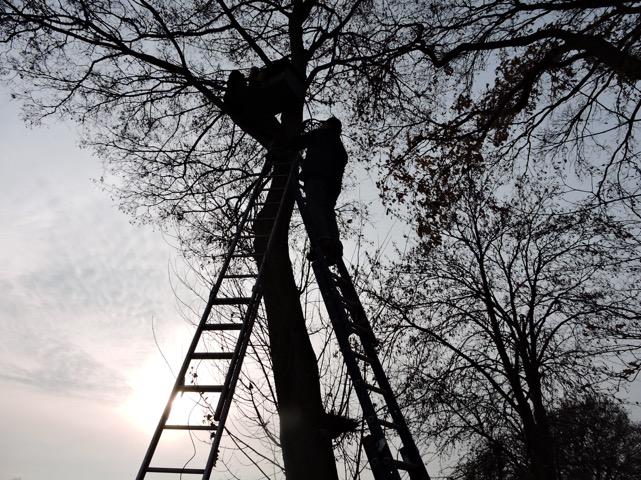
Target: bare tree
pixel 595 438
pixel 530 87
pixel 146 79
pixel 520 305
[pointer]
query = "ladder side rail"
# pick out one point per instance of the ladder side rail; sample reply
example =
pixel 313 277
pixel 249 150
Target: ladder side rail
pixel 340 323
pixel 199 329
pixel 245 331
pixel 228 390
pixel 229 387
pixel 398 418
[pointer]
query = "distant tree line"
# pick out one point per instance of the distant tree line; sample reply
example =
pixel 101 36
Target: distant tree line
pixel 595 440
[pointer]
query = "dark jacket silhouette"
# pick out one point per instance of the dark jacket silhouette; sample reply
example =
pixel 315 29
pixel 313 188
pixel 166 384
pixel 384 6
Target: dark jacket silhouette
pixel 322 174
pixel 253 102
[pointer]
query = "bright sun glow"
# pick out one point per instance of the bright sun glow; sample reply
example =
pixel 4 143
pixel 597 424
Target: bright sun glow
pixel 150 389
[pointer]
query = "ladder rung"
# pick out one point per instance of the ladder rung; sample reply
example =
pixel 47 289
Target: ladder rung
pixel 241 275
pixel 195 471
pixel 212 355
pixel 374 388
pixel 190 427
pixel 232 301
pixel 222 326
pixel 201 388
pixel 387 424
pixel 401 465
pixel 362 357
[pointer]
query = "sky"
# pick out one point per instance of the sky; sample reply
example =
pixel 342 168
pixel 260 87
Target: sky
pixel 82 382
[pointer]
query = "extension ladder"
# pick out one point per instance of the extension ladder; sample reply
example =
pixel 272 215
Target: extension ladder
pixel 244 329
pixel 357 343
pixel 355 338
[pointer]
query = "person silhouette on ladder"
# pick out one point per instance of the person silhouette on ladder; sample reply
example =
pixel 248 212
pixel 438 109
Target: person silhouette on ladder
pixel 322 175
pixel 254 101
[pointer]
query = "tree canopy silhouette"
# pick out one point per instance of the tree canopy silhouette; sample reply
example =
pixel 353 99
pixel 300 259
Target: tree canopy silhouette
pixel 528 87
pixel 521 305
pixel 596 440
pixel 147 80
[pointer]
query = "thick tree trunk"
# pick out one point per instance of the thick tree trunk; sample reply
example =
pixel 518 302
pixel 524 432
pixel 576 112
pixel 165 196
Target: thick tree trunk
pixel 541 452
pixel 537 439
pixel 306 446
pixel 543 445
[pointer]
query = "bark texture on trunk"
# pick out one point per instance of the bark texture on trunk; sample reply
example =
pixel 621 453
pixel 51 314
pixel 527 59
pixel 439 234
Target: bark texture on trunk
pixel 306 445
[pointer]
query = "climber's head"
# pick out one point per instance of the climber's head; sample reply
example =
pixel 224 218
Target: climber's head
pixel 334 123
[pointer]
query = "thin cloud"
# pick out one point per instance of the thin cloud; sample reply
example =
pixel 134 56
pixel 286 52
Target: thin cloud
pixel 63 368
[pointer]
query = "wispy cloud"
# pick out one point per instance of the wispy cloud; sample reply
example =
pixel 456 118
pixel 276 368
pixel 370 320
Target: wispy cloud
pixel 86 303
pixel 78 284
pixel 66 369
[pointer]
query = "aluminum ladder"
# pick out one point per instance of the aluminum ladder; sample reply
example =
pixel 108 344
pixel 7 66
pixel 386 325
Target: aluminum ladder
pixel 269 173
pixel 349 322
pixel 358 345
